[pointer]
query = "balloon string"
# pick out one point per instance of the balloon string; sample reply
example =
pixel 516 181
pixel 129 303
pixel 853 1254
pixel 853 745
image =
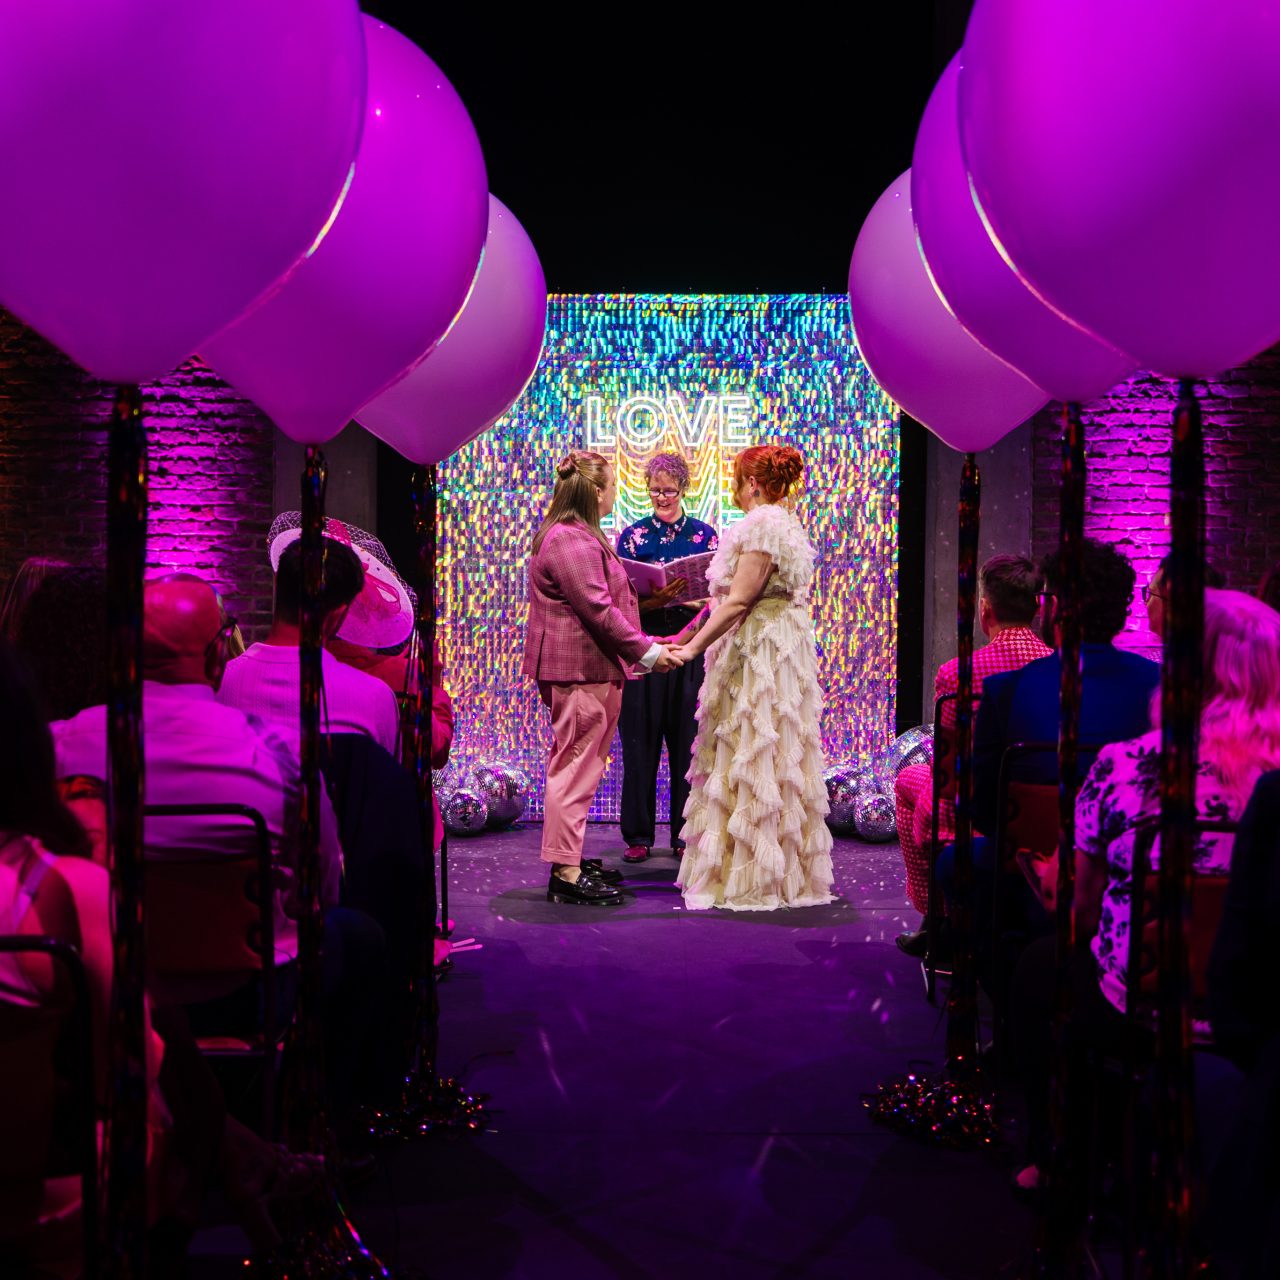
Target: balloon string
pixel 1180 708
pixel 126 1129
pixel 1060 1231
pixel 962 1005
pixel 308 1128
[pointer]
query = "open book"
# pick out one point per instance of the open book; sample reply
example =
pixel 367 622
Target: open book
pixel 648 578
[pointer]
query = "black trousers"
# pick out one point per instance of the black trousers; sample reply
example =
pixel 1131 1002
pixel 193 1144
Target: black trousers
pixel 657 708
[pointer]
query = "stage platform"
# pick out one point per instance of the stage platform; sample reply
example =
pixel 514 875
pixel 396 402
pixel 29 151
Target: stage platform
pixel 678 1094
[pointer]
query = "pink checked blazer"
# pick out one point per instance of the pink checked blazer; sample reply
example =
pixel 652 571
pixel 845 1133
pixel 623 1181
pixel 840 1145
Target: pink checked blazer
pixel 584 623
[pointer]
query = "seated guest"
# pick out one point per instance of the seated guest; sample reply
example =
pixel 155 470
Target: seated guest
pixel 1023 706
pixel 379 621
pixel 61 635
pixel 1242 1007
pixel 27 577
pixel 1239 739
pixel 49 888
pixel 197 750
pixel 1116 686
pixel 1243 1186
pixel 264 681
pixel 1156 591
pixel 1009 588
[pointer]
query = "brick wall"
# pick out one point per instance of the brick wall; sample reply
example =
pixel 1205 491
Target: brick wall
pixel 1127 436
pixel 212 471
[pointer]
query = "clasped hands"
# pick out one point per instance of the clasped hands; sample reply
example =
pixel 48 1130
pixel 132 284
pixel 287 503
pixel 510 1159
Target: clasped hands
pixel 671 657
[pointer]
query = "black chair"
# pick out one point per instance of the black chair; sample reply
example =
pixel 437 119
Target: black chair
pixel 1208 895
pixel 210 916
pixel 30 1082
pixel 945 743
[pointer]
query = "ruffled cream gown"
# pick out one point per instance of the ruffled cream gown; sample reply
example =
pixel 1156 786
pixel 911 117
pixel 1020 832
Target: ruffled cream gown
pixel 755 821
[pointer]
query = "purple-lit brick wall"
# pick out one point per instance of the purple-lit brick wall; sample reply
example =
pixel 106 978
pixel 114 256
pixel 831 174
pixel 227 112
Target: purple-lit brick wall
pixel 212 470
pixel 1127 501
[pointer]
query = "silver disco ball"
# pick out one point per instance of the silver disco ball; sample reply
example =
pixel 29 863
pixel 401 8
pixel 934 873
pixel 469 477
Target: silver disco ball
pixel 915 746
pixel 447 780
pixel 504 788
pixel 464 813
pixel 842 790
pixel 874 817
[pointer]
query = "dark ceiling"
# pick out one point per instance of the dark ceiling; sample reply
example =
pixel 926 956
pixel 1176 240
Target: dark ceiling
pixel 662 148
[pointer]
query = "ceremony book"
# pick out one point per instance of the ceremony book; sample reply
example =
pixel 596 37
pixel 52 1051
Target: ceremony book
pixel 648 578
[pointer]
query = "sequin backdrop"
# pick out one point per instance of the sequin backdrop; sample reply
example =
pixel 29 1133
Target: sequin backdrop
pixel 708 375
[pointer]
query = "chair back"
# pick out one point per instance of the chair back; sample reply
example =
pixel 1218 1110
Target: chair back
pixel 945 742
pixel 1027 811
pixel 30 1084
pixel 215 915
pixel 1208 897
pixel 210 914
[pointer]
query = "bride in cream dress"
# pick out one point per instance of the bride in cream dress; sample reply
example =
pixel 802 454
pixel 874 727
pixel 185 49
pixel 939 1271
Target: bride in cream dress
pixel 755 822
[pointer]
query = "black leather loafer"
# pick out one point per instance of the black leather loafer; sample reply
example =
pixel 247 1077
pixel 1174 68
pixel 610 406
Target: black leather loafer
pixel 594 867
pixel 585 891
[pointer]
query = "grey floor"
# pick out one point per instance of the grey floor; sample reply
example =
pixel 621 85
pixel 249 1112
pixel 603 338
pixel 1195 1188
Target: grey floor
pixel 680 1094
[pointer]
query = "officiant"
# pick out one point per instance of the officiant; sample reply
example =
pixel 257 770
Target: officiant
pixel 661 707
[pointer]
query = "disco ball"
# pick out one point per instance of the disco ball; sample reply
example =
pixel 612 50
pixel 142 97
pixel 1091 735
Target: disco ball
pixel 447 780
pixel 465 813
pixel 503 787
pixel 874 818
pixel 915 746
pixel 842 789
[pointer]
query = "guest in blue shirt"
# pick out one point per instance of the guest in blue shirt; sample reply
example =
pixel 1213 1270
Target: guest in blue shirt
pixel 1023 706
pixel 661 707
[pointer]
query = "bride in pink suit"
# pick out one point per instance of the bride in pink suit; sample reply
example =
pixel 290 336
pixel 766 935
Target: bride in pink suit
pixel 583 641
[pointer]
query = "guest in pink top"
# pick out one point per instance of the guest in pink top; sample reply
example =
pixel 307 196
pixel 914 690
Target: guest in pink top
pixel 583 641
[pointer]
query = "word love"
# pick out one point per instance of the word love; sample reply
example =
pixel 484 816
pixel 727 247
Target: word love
pixel 641 422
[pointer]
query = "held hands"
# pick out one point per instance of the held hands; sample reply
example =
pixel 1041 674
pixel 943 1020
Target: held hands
pixel 669 659
pixel 679 654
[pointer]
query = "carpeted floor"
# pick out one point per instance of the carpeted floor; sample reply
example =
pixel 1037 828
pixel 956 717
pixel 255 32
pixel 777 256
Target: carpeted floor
pixel 679 1094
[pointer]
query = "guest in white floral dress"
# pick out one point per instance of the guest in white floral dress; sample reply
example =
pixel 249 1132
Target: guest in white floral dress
pixel 755 820
pixel 1239 740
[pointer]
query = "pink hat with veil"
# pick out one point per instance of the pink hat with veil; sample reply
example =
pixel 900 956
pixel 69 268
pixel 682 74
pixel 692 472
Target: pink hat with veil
pixel 381 616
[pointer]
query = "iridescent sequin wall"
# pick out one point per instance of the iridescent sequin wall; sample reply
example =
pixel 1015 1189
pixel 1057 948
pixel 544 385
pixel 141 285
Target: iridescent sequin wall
pixel 630 376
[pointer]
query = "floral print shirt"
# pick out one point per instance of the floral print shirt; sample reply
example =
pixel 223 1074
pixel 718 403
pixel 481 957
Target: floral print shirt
pixel 1122 788
pixel 657 542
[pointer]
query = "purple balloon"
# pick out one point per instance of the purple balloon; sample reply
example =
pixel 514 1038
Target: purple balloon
pixel 485 361
pixel 980 288
pixel 166 164
pixel 1125 157
pixel 915 348
pixel 395 269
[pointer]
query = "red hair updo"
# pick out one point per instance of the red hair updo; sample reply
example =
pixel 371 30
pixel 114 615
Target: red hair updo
pixel 776 468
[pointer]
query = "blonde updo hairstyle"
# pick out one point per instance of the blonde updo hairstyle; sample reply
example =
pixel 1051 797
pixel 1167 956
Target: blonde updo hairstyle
pixel 776 468
pixel 580 476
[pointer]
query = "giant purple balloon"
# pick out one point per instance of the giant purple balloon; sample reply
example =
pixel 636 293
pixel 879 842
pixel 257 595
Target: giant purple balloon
pixel 980 288
pixel 485 361
pixel 1125 157
pixel 395 269
pixel 165 164
pixel 915 347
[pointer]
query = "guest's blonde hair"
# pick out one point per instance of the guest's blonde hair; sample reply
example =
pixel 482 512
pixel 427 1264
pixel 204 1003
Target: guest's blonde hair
pixel 580 476
pixel 1240 719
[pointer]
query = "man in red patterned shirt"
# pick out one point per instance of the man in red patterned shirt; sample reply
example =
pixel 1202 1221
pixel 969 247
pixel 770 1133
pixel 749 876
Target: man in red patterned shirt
pixel 1007 606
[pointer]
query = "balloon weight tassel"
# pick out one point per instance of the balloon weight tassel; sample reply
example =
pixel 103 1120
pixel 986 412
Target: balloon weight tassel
pixel 326 1246
pixel 954 1111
